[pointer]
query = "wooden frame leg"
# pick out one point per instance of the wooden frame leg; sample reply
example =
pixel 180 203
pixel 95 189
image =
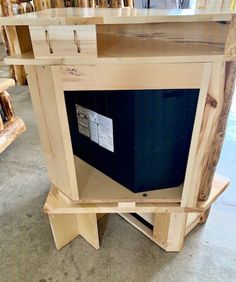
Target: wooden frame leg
pixel 65 227
pixel 169 230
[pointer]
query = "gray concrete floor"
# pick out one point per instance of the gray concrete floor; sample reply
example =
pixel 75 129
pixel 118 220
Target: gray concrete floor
pixel 27 251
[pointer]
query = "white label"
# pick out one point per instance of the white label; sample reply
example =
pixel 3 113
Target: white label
pixel 105 133
pixel 95 126
pixel 83 120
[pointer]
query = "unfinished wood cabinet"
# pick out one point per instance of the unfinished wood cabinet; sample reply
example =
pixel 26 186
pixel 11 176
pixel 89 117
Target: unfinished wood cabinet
pixel 115 49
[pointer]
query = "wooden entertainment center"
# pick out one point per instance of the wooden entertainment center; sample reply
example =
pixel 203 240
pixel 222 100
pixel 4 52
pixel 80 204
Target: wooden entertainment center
pixel 114 49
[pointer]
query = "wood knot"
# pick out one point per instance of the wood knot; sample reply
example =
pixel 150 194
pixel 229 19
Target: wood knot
pixel 210 100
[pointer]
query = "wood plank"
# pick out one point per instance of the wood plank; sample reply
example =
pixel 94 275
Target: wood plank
pixel 169 230
pixel 64 228
pixel 90 180
pixel 57 202
pixel 6 83
pixel 88 228
pixel 138 225
pixel 190 188
pixel 208 127
pixel 15 48
pixel 24 38
pixel 139 76
pixel 220 183
pixel 64 41
pixel 28 59
pixel 218 130
pixel 54 138
pixel 63 16
pixel 10 132
pixel 162 39
pixel 221 90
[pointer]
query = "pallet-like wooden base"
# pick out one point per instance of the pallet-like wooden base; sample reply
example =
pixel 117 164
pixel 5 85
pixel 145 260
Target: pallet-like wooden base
pixel 10 132
pixel 171 222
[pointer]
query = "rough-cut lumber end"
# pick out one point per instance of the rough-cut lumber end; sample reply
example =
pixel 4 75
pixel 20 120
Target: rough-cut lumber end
pixel 6 83
pixel 10 132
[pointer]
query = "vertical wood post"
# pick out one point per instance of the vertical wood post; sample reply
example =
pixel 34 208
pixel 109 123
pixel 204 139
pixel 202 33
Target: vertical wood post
pixel 223 102
pixel 169 230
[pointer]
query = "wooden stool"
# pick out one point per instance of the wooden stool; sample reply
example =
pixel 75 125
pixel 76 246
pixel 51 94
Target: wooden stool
pixel 10 126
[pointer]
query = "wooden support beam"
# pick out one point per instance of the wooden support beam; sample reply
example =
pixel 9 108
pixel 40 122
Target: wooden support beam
pixel 221 94
pixel 66 227
pixel 169 230
pixel 196 152
pixel 54 137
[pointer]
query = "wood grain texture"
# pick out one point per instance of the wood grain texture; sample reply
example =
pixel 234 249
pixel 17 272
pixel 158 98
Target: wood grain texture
pixel 132 76
pixel 230 48
pixel 64 228
pixel 28 59
pixel 89 228
pixel 10 132
pixel 6 8
pixel 64 41
pixel 190 188
pixel 29 7
pixel 90 179
pixel 11 41
pixel 159 39
pixel 5 101
pixel 58 203
pixel 1 124
pixel 46 91
pixel 14 48
pixel 169 230
pixel 64 16
pixel 6 83
pixel 212 158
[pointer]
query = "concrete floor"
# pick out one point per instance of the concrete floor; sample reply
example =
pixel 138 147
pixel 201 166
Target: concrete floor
pixel 27 251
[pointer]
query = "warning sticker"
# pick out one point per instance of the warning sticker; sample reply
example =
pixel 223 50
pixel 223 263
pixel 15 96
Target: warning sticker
pixel 97 127
pixel 83 121
pixel 105 133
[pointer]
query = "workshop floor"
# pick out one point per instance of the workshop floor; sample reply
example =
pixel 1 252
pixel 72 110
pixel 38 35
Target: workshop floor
pixel 27 251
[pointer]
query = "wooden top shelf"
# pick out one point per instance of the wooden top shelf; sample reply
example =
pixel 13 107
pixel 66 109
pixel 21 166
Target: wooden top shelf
pixel 70 16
